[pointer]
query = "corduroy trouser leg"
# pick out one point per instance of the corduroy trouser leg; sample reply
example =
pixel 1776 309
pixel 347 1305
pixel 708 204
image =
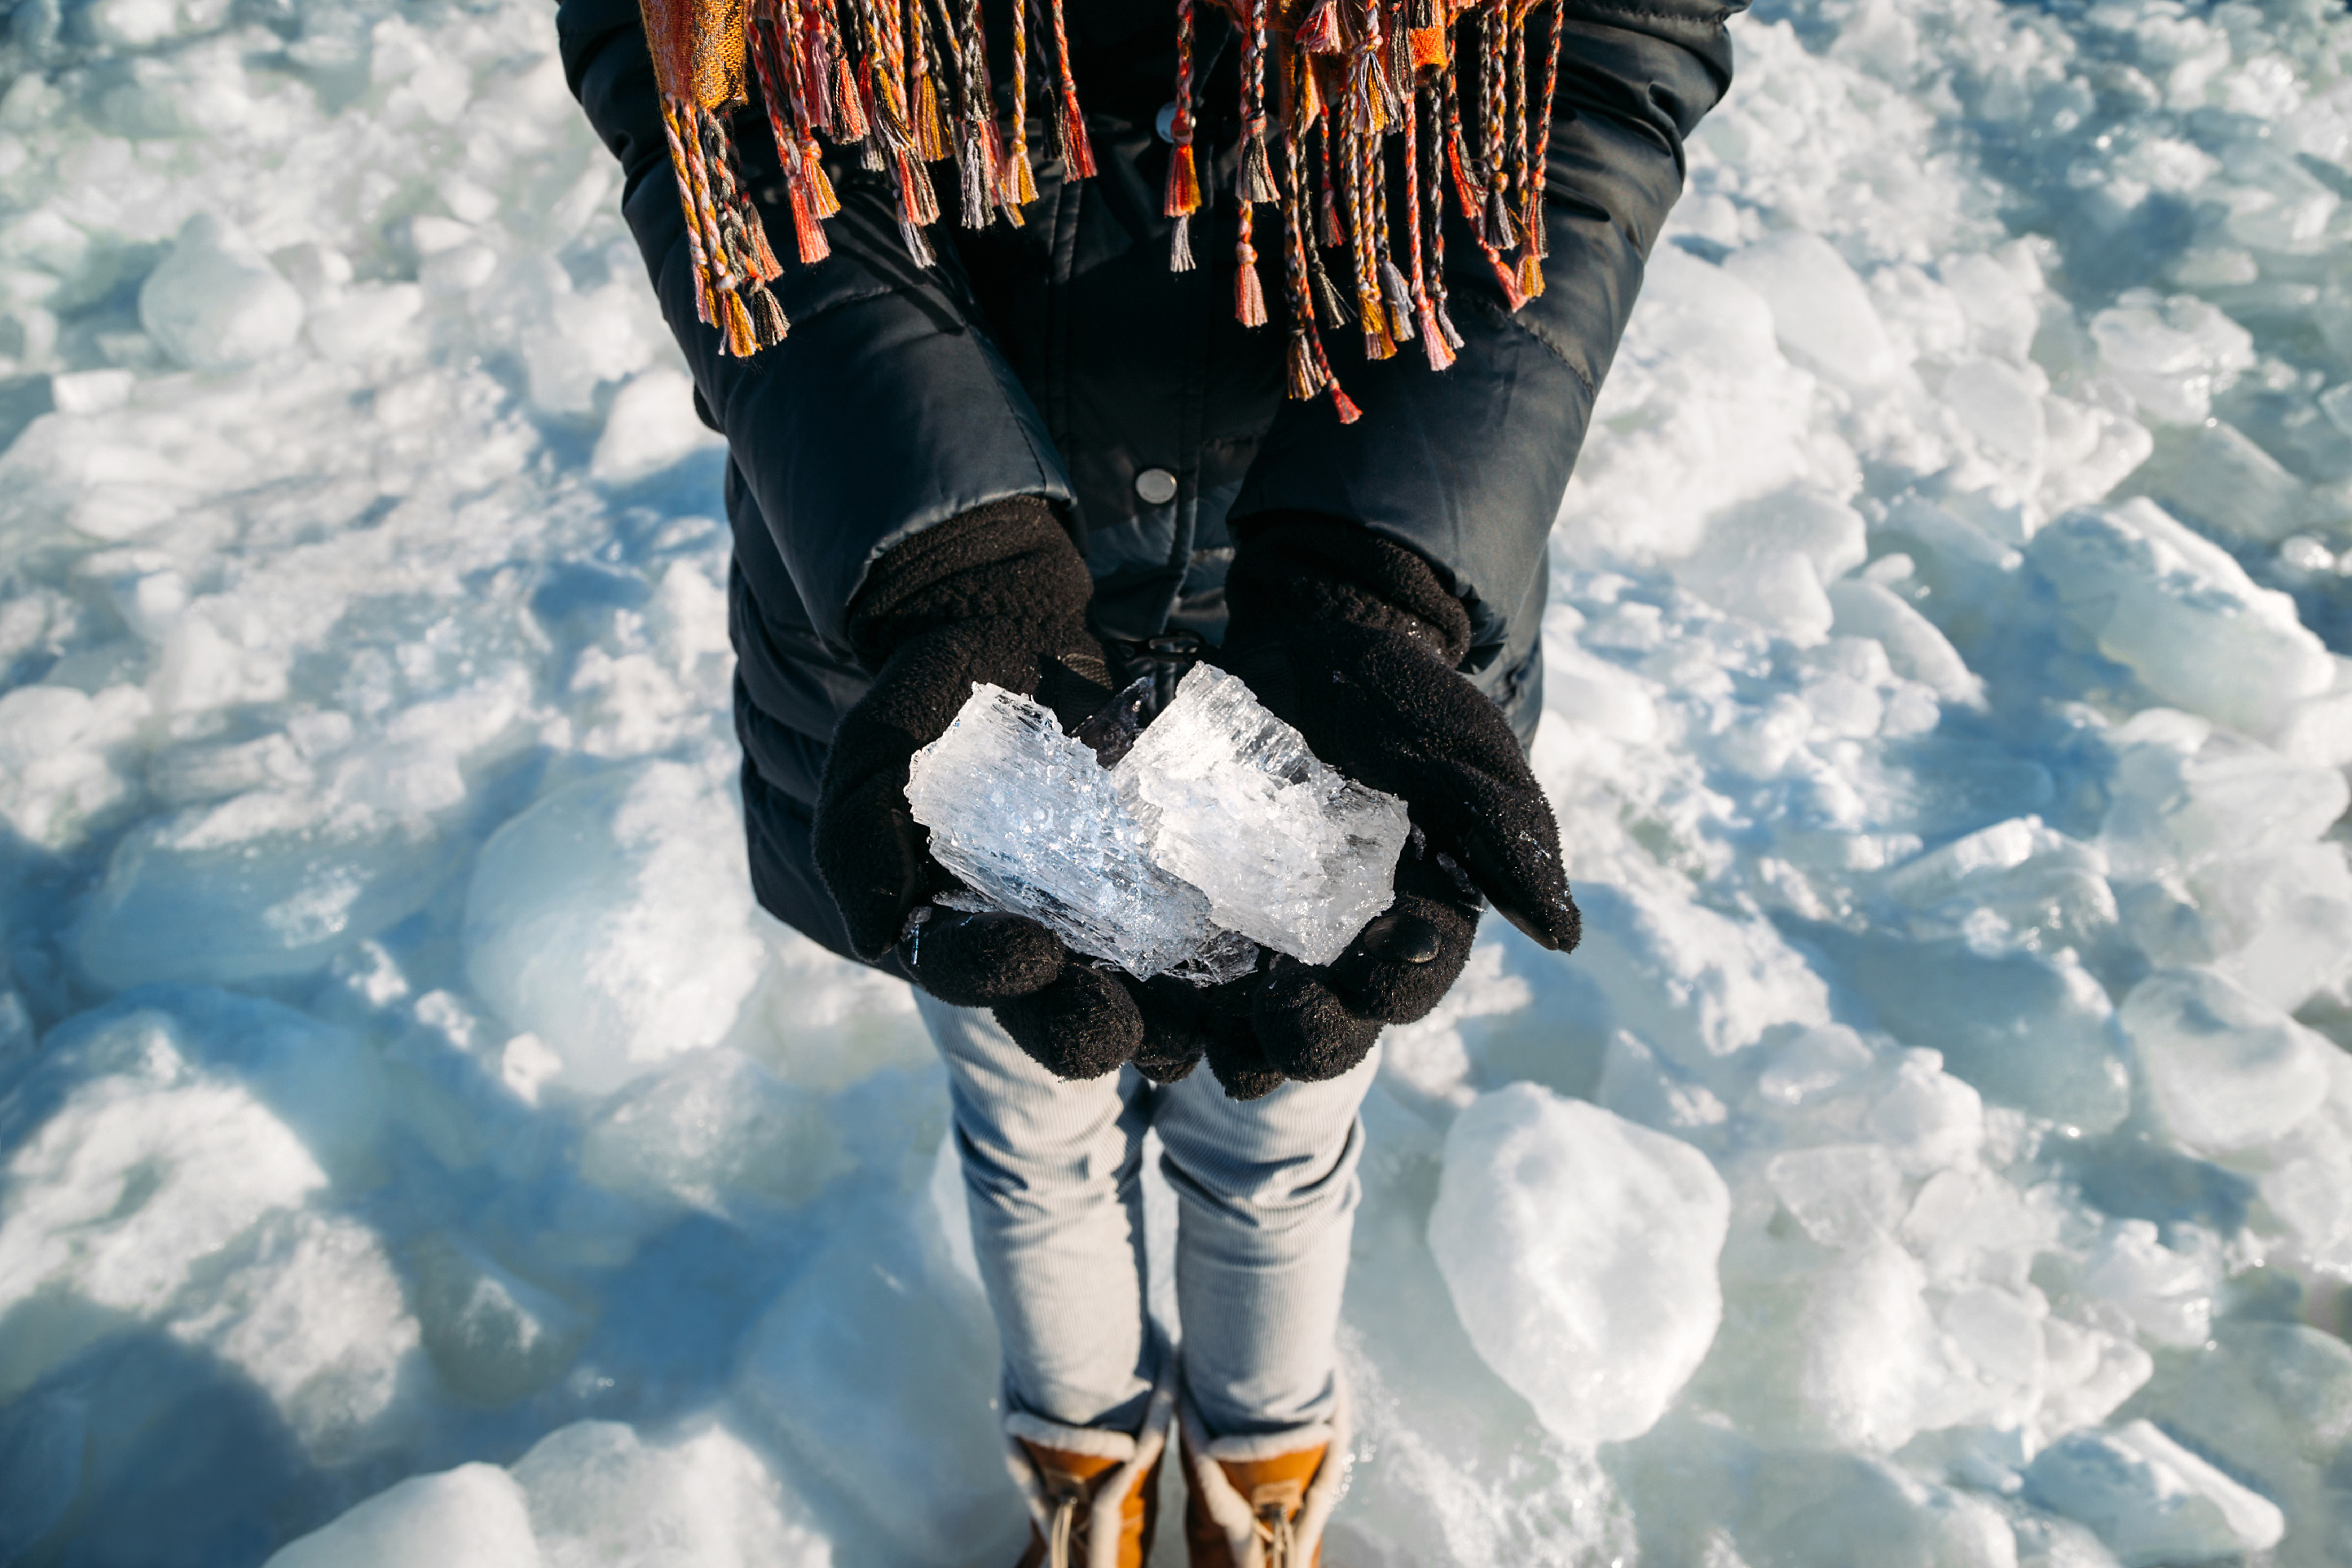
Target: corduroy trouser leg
pixel 1266 1196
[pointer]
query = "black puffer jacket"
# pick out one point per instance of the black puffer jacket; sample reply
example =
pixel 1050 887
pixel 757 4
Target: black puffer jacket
pixel 1064 360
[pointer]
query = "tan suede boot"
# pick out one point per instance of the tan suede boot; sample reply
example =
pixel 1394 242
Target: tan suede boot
pixel 1262 1502
pixel 1094 1496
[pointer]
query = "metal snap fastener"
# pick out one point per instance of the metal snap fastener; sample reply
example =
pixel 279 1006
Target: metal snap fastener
pixel 1164 122
pixel 1155 486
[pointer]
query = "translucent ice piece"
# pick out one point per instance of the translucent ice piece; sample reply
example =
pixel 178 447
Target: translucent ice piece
pixel 1028 817
pixel 1226 955
pixel 1290 853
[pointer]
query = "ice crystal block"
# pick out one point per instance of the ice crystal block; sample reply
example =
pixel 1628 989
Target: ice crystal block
pixel 1289 852
pixel 1028 817
pixel 1217 829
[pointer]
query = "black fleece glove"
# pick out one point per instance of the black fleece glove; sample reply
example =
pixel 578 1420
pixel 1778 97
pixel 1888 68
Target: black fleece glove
pixel 998 594
pixel 1353 640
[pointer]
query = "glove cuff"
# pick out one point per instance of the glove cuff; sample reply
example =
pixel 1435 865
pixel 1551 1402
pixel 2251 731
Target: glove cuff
pixel 1008 559
pixel 1300 566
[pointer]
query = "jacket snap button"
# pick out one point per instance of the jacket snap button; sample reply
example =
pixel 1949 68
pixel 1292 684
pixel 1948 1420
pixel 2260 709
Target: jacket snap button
pixel 1155 486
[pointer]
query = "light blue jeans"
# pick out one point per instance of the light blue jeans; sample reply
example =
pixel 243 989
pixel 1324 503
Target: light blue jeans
pixel 1266 1196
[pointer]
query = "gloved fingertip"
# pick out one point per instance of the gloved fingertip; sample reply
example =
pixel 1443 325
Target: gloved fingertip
pixel 1236 1061
pixel 1165 1068
pixel 1082 1025
pixel 1398 937
pixel 1558 927
pixel 1304 1026
pixel 974 960
pixel 1244 1084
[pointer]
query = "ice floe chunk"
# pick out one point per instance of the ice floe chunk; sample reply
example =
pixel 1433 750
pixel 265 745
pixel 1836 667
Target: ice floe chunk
pixel 1697 985
pixel 59 773
pixel 602 1497
pixel 2001 407
pixel 611 920
pixel 874 1329
pixel 1914 647
pixel 1841 1194
pixel 2273 1402
pixel 310 1309
pixel 2183 615
pixel 1768 560
pixel 1580 1253
pixel 2039 884
pixel 1872 1370
pixel 2227 1070
pixel 2185 795
pixel 651 426
pixel 2167 1295
pixel 713 1132
pixel 267 883
pixel 2029 1031
pixel 2215 474
pixel 214 302
pixel 2150 1500
pixel 472 1517
pixel 493 1336
pixel 1840 1509
pixel 1702 413
pixel 136 1176
pixel 1821 310
pixel 2170 354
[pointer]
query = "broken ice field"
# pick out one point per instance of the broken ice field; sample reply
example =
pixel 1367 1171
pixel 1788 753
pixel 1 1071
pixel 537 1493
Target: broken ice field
pixel 1218 829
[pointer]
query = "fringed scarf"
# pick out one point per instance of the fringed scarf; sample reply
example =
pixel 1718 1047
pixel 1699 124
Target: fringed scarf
pixel 1327 87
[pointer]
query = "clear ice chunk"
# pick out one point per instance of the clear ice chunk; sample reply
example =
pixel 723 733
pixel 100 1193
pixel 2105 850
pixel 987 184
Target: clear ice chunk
pixel 1032 821
pixel 1290 853
pixel 1216 830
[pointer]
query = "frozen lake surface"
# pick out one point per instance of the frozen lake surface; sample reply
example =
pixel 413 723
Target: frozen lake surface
pixel 412 1131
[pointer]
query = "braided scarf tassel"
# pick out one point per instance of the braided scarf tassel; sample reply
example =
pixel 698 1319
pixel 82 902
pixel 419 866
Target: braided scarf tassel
pixel 964 135
pixel 1182 198
pixel 1249 290
pixel 1424 311
pixel 779 77
pixel 1020 180
pixel 1311 367
pixel 980 123
pixel 1494 112
pixel 1363 152
pixel 1327 292
pixel 927 127
pixel 1070 120
pixel 1435 283
pixel 1537 242
pixel 1529 190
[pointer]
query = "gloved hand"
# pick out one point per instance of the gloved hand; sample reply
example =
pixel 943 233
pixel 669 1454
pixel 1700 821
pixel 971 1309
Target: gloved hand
pixel 1353 640
pixel 998 594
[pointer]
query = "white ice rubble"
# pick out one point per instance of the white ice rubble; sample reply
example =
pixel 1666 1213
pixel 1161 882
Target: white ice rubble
pixel 409 1130
pixel 1217 820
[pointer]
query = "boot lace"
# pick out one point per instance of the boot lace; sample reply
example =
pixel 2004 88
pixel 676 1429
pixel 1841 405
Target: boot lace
pixel 1061 1539
pixel 1278 1536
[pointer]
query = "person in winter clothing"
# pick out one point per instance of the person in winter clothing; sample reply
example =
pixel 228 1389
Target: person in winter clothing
pixel 1037 425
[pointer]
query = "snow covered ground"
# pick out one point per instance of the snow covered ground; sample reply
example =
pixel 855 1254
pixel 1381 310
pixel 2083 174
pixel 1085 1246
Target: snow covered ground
pixel 411 1130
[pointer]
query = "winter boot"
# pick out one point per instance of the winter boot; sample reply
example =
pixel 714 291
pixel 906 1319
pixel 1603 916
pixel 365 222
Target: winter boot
pixel 1094 1496
pixel 1262 1502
